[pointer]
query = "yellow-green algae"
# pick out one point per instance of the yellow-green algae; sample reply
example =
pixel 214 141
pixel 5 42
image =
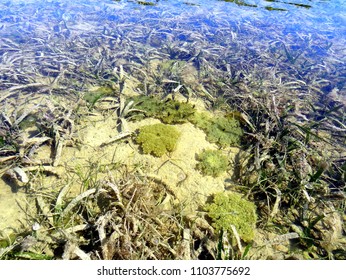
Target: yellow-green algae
pixel 168 111
pixel 212 162
pixel 157 139
pixel 231 209
pixel 223 130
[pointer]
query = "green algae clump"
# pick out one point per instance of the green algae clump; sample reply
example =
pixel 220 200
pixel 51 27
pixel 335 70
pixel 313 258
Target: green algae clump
pixel 149 104
pixel 168 111
pixel 231 209
pixel 225 131
pixel 157 139
pixel 175 112
pixel 212 162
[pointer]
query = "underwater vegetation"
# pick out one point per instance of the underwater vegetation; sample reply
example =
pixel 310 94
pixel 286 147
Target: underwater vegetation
pixel 91 97
pixel 157 139
pixel 108 219
pixel 240 3
pixel 284 80
pixel 229 209
pixel 168 111
pixel 222 129
pixel 146 3
pixel 48 123
pixel 225 131
pixel 149 104
pixel 175 112
pixel 212 162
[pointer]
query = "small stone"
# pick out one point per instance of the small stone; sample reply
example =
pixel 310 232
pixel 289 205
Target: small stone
pixel 36 226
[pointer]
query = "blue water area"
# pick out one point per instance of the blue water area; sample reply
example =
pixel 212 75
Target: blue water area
pixel 300 40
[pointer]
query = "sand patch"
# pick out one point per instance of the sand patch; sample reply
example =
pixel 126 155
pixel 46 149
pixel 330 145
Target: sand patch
pixel 11 214
pixel 176 169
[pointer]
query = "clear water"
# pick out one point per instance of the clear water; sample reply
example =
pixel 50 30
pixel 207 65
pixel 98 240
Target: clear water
pixel 292 49
pixel 241 36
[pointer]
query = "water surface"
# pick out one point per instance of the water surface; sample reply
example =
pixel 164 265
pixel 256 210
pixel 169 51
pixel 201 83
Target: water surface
pixel 291 40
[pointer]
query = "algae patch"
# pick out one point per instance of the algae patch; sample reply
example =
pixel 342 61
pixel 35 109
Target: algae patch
pixel 157 139
pixel 232 209
pixel 212 162
pixel 223 130
pixel 168 111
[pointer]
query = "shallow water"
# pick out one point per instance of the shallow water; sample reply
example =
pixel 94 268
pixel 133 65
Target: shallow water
pixel 295 49
pixel 227 32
